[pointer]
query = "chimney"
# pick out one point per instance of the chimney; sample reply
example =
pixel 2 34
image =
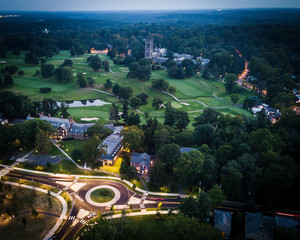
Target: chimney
pixel 71 120
pixel 42 114
pixel 61 116
pixel 49 115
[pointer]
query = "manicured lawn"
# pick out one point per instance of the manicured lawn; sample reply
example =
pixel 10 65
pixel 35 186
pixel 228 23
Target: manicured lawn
pixel 189 90
pixel 36 228
pixel 115 168
pixel 69 146
pixel 102 195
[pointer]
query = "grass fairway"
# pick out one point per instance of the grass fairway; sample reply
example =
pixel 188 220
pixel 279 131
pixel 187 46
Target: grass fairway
pixel 190 90
pixel 36 228
pixel 102 195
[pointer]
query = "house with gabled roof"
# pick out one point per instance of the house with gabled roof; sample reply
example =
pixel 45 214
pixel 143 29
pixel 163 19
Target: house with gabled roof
pixel 141 161
pixel 222 222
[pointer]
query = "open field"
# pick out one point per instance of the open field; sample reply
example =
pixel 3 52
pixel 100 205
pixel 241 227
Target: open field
pixel 35 228
pixel 193 91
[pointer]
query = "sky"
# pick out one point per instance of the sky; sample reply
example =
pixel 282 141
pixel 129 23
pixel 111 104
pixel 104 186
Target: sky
pixel 88 5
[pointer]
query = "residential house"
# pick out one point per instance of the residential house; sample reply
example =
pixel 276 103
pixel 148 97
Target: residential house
pixel 259 227
pixel 141 161
pixel 222 222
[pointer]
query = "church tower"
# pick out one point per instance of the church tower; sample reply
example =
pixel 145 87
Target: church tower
pixel 149 46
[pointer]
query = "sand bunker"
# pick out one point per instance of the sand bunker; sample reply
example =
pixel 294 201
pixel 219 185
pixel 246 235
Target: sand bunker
pixel 89 119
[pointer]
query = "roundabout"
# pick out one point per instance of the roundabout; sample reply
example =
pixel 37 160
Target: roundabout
pixel 102 196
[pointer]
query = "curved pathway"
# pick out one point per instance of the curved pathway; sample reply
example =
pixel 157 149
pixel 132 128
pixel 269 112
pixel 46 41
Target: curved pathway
pixel 97 90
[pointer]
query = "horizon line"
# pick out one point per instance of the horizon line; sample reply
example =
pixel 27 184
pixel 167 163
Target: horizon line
pixel 150 10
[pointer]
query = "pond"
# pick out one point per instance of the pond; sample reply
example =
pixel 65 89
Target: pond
pixel 84 103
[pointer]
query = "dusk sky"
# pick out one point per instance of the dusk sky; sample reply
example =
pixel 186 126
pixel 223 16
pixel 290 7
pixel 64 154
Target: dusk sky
pixel 77 5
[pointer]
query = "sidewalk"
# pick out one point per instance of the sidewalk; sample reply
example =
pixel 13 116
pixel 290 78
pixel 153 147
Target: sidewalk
pixel 104 177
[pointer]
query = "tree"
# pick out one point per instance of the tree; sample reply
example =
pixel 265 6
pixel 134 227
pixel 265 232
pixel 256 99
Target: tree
pixel 204 134
pixel 114 113
pixel 64 110
pixel 116 88
pixel 92 153
pixel 182 120
pixel 189 169
pixel 157 175
pixel 125 92
pixel 209 115
pixel 66 74
pixel 94 62
pixel 49 106
pixel 108 85
pixel 34 212
pixel 181 227
pixel 128 60
pixel 42 142
pixel 143 96
pixel 8 80
pixel 31 58
pixel 77 154
pixel 133 119
pixel 106 66
pixel 99 130
pixel 144 73
pixel 104 230
pixel 47 70
pixel 72 51
pixel 133 138
pixel 91 81
pixel 125 110
pixel 157 102
pixel 24 222
pixel 234 98
pixel 169 156
pixel 135 102
pixel 231 179
pixel 216 196
pixel 134 69
pixel 67 63
pixel 189 71
pixel 230 83
pixel 82 82
pixel 160 84
pixel 206 74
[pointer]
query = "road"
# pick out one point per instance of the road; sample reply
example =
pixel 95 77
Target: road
pixel 74 222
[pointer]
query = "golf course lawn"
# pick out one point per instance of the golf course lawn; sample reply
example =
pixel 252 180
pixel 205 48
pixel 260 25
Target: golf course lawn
pixel 192 92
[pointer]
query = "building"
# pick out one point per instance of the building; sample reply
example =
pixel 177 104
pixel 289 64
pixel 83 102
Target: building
pixel 273 114
pixel 187 150
pixel 222 222
pixel 68 128
pixel 149 46
pixel 258 226
pixel 113 146
pixel 141 161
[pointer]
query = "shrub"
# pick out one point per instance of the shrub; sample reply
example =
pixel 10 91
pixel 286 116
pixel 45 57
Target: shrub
pixel 45 90
pixel 172 89
pixel 21 72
